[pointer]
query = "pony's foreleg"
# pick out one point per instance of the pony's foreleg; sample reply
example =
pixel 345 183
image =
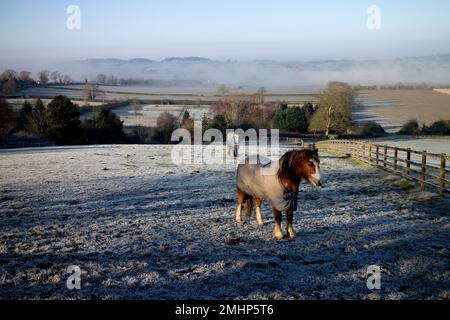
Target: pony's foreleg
pixel 289 225
pixel 239 213
pixel 259 219
pixel 278 234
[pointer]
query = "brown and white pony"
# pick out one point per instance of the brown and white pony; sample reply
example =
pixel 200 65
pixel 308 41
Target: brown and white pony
pixel 278 183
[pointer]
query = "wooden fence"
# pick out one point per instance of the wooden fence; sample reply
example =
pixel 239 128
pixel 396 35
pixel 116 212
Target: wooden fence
pixel 428 169
pixel 296 141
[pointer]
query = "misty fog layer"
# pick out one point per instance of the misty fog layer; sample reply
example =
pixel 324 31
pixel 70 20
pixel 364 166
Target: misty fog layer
pixel 432 70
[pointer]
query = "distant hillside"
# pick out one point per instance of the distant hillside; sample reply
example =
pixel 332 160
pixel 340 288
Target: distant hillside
pixel 434 70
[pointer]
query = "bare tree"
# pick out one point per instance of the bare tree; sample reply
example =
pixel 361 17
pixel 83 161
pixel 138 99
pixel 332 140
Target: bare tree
pixel 90 91
pixel 25 76
pixel 101 79
pixel 187 122
pixel 334 109
pixel 261 95
pixel 111 81
pixel 43 77
pixel 9 87
pixel 35 121
pixel 165 125
pixel 103 95
pixel 8 75
pixel 66 79
pixel 56 77
pixel 136 107
pixel 144 134
pixel 223 90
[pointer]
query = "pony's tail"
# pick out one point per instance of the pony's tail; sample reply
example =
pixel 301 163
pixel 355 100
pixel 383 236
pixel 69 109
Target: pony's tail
pixel 248 207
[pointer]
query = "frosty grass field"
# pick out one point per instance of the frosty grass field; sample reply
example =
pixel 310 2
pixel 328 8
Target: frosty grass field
pixel 141 228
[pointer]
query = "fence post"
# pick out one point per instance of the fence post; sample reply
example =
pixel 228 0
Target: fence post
pixel 395 159
pixel 385 156
pixel 358 150
pixel 424 168
pixel 353 150
pixel 370 153
pixel 378 155
pixel 363 151
pixel 408 161
pixel 442 176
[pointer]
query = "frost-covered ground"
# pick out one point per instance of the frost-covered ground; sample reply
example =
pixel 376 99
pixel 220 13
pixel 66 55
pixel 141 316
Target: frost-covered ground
pixel 141 228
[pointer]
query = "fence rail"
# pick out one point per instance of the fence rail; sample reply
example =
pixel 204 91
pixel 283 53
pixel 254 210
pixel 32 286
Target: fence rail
pixel 428 169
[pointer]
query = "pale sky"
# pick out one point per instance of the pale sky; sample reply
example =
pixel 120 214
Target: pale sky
pixel 230 29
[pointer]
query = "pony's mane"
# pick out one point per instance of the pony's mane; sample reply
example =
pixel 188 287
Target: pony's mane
pixel 288 160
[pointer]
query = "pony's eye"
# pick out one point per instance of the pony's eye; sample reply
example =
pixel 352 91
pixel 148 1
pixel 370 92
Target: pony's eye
pixel 310 164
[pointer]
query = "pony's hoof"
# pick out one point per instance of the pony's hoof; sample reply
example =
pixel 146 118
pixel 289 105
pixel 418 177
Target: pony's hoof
pixel 239 221
pixel 278 235
pixel 292 234
pixel 260 224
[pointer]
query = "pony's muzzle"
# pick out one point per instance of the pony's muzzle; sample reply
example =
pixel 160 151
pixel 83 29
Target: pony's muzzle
pixel 315 182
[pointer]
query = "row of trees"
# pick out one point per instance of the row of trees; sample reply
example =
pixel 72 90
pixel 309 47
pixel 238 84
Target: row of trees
pixel 397 86
pixel 110 80
pixel 438 128
pixel 258 97
pixel 55 77
pixel 60 120
pixel 104 79
pixel 239 112
pixel 60 123
pixel 12 81
pixel 332 114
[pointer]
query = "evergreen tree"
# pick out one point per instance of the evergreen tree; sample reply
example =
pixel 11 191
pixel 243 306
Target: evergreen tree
pixel 63 121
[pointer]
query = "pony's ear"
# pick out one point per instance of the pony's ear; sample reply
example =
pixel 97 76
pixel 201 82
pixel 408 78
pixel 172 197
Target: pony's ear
pixel 316 151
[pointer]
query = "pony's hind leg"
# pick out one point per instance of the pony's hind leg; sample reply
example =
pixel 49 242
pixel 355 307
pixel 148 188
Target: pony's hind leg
pixel 278 234
pixel 241 197
pixel 289 227
pixel 259 219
